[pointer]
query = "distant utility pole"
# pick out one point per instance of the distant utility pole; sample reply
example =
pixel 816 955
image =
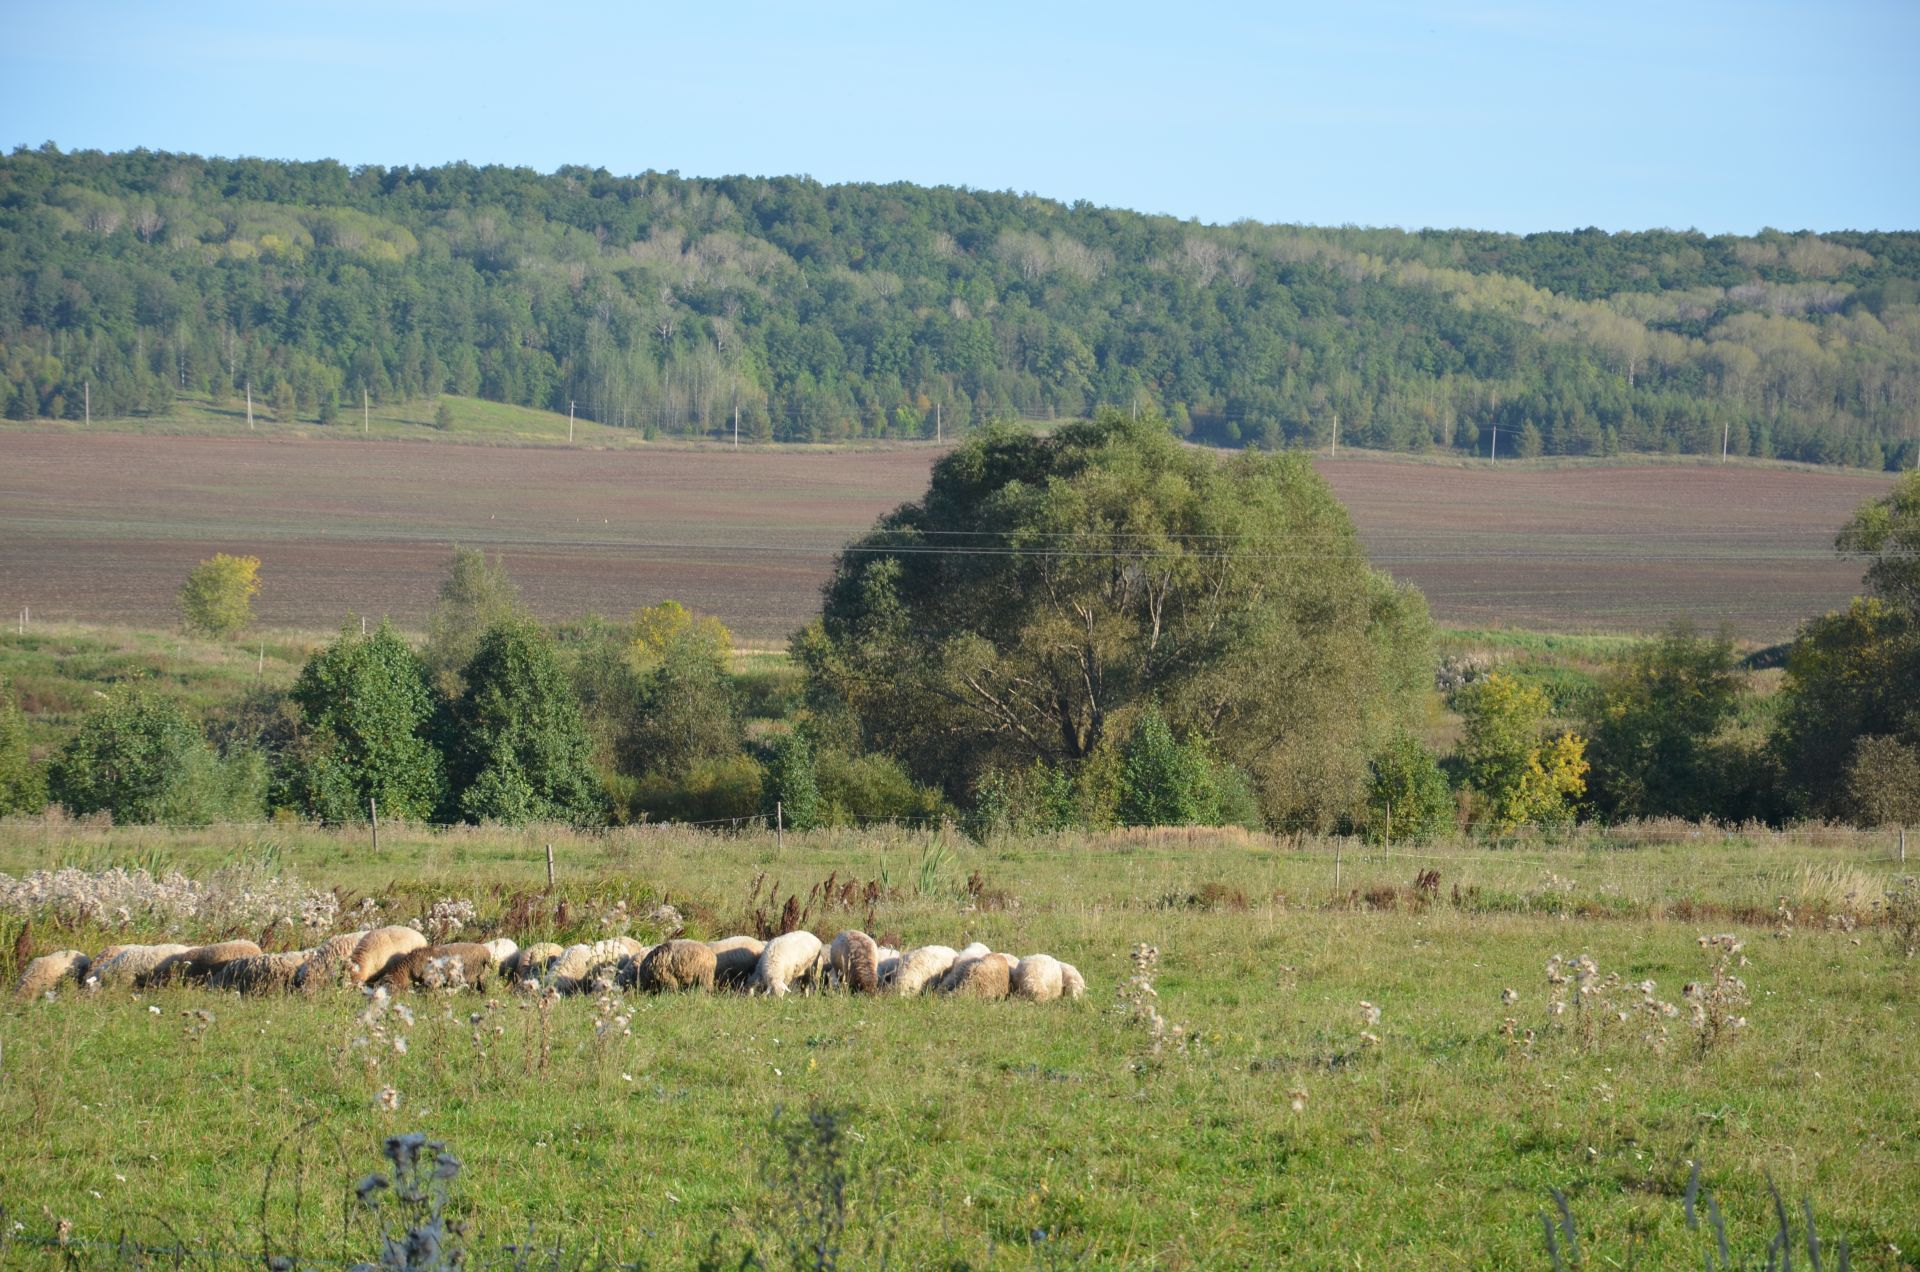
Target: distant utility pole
pixel 569 421
pixel 249 404
pixel 1726 434
pixel 1494 453
pixel 736 424
pixel 86 397
pixel 1336 436
pixel 937 437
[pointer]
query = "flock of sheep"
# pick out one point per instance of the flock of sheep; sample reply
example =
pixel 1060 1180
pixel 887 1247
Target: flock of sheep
pixel 397 958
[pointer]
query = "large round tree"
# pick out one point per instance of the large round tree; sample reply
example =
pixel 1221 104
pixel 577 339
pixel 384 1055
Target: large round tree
pixel 1047 589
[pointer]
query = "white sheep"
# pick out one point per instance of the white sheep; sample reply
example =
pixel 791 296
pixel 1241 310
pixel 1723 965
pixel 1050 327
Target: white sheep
pixel 579 965
pixel 1072 983
pixel 919 968
pixel 788 960
pixel 327 965
pixel 1038 978
pixel 735 957
pixel 500 949
pixel 47 971
pixel 989 976
pixel 889 965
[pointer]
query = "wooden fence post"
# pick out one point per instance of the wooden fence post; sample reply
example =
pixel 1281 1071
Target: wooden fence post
pixel 549 868
pixel 779 825
pixel 373 815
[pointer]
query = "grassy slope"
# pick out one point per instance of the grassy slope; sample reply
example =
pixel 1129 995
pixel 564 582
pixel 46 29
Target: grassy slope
pixel 976 1125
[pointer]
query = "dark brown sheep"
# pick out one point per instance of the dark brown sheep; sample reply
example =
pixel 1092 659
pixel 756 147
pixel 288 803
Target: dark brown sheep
pixel 412 970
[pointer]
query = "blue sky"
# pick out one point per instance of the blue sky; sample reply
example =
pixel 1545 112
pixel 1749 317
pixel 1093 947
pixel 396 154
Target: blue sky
pixel 1723 117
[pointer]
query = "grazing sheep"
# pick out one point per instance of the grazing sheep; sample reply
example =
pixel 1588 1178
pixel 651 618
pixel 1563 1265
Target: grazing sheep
pixel 1072 983
pixel 47 971
pixel 1038 978
pixel 435 966
pixel 328 963
pixel 921 968
pixel 259 973
pixel 790 959
pixel 968 955
pixel 377 950
pixel 579 965
pixel 888 965
pixel 676 966
pixel 854 961
pixel 533 962
pixel 500 949
pixel 196 964
pixel 134 965
pixel 734 960
pixel 989 976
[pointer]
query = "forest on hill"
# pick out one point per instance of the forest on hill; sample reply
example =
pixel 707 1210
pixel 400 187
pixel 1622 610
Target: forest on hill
pixel 819 312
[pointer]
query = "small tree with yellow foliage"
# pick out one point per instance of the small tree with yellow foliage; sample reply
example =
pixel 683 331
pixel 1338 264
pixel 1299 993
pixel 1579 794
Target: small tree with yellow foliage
pixel 218 598
pixel 1520 777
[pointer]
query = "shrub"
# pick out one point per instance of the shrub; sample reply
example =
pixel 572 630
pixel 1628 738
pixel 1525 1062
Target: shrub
pixel 708 791
pixel 789 786
pixel 520 751
pixel 367 707
pixel 1521 779
pixel 22 786
pixel 1408 798
pixel 140 759
pixel 857 789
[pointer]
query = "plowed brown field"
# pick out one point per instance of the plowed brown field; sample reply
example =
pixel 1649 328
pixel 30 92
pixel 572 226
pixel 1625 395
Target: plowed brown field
pixel 104 528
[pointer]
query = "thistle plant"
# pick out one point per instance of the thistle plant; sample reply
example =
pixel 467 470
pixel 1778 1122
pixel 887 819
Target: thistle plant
pixel 1139 1003
pixel 1717 1000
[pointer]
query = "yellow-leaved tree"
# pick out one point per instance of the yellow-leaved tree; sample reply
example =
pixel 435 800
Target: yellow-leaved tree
pixel 1521 777
pixel 218 598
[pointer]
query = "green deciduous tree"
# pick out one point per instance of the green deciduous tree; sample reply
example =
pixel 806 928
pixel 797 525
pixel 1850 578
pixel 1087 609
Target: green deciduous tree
pixel 475 595
pixel 1887 530
pixel 1520 777
pixel 1046 586
pixel 141 759
pixel 789 787
pixel 368 715
pixel 1408 798
pixel 684 711
pixel 1653 730
pixel 23 786
pixel 1850 675
pixel 1164 782
pixel 218 597
pixel 519 749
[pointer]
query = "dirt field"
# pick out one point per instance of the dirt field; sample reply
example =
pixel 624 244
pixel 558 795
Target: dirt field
pixel 104 527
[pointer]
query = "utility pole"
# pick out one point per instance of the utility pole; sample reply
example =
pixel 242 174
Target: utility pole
pixel 1334 453
pixel 366 413
pixel 1494 453
pixel 249 405
pixel 1726 433
pixel 569 421
pixel 937 438
pixel 86 397
pixel 736 424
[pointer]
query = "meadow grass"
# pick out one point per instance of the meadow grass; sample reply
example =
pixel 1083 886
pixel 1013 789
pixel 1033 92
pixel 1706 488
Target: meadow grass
pixel 1016 1134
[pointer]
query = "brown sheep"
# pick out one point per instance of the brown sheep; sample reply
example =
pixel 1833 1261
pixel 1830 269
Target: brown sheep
pixel 855 961
pixel 735 957
pixel 46 972
pixel 989 976
pixel 415 970
pixel 378 949
pixel 260 973
pixel 677 966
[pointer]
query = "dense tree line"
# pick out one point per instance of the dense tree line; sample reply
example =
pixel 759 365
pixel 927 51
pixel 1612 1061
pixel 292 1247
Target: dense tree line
pixel 1089 629
pixel 823 312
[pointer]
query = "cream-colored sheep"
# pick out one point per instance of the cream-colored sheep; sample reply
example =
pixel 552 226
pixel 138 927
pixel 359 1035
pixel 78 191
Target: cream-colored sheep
pixel 580 965
pixel 500 949
pixel 198 963
pixel 329 963
pixel 989 976
pixel 1072 984
pixel 790 960
pixel 734 960
pixel 49 970
pixel 888 965
pixel 968 955
pixel 377 950
pixel 259 973
pixel 676 966
pixel 1037 978
pixel 854 961
pixel 133 965
pixel 921 968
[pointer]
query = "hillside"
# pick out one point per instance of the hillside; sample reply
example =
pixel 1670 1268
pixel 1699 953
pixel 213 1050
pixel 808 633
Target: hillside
pixel 826 312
